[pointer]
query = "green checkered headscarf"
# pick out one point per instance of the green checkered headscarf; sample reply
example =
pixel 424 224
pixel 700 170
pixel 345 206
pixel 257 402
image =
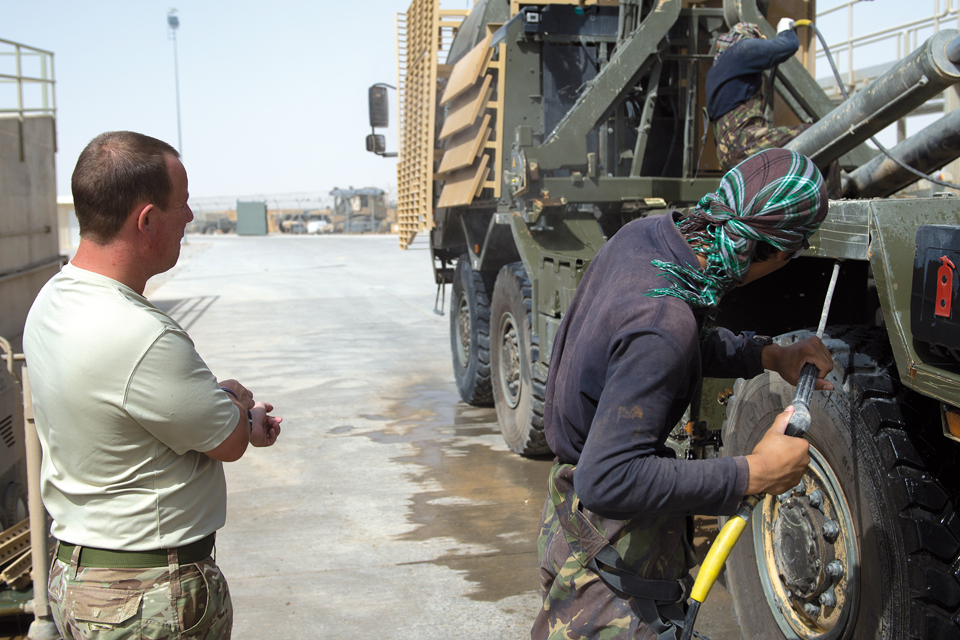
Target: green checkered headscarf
pixel 776 196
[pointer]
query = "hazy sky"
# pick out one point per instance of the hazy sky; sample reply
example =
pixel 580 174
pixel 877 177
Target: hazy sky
pixel 273 95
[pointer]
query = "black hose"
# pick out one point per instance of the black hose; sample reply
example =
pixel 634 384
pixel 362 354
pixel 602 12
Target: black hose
pixel 768 98
pixel 690 620
pixel 873 139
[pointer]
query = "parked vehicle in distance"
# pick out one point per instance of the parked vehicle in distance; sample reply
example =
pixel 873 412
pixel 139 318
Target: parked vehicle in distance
pixel 320 225
pixel 221 224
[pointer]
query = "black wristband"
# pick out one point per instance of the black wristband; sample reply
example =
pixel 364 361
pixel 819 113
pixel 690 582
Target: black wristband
pixel 249 414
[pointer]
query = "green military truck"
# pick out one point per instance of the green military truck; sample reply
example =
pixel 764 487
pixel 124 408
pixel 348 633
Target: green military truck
pixel 531 131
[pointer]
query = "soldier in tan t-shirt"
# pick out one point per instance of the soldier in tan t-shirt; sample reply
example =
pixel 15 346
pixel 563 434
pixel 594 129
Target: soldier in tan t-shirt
pixel 134 426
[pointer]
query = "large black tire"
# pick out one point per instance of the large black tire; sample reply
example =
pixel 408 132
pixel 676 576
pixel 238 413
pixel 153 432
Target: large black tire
pixel 470 334
pixel 517 391
pixel 896 531
pixel 15 504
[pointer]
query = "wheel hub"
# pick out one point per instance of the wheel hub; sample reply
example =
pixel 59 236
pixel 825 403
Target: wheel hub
pixel 807 555
pixel 510 361
pixel 463 330
pixel 798 549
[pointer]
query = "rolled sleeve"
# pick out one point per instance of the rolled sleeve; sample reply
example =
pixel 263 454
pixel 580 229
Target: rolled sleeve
pixel 173 395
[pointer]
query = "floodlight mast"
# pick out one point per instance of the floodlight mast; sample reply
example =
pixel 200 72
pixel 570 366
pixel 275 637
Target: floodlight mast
pixel 173 22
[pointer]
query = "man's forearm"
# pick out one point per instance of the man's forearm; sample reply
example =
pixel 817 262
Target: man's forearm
pixel 233 448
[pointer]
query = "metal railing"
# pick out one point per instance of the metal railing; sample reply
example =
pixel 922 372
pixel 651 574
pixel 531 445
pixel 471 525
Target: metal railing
pixel 27 72
pixel 906 36
pixel 30 71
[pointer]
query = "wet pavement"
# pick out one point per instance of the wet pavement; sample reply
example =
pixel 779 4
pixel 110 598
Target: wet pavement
pixel 388 508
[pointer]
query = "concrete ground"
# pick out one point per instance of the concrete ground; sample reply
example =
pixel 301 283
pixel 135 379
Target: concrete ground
pixel 388 508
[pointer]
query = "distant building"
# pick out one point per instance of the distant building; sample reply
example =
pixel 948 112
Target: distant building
pixel 68 228
pixel 29 244
pixel 361 211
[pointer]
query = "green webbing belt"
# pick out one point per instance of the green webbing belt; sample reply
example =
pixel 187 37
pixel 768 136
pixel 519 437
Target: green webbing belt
pixel 107 559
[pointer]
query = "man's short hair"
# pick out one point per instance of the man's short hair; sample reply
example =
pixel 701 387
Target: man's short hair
pixel 116 172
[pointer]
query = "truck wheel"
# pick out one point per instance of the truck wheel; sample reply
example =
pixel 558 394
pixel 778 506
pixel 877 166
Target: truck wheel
pixel 863 546
pixel 470 334
pixel 517 394
pixel 15 504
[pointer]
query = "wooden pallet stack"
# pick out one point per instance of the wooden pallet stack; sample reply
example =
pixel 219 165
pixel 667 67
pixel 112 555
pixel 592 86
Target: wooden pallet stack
pixel 15 556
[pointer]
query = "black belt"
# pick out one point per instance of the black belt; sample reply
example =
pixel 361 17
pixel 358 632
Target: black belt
pixel 108 559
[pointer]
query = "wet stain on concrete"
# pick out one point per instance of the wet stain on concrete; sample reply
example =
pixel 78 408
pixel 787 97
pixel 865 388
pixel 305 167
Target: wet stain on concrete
pixel 490 501
pixel 341 430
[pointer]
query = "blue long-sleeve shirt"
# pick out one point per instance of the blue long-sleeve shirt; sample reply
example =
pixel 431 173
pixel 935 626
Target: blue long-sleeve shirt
pixel 737 75
pixel 623 369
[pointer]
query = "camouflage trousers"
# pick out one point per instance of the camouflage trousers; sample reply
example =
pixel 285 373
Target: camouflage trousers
pixel 577 603
pixel 745 131
pixel 121 604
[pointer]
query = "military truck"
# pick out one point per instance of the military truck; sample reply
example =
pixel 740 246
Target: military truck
pixel 532 130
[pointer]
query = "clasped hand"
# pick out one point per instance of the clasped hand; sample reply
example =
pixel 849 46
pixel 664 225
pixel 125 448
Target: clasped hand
pixel 779 461
pixel 264 428
pixel 785 24
pixel 788 361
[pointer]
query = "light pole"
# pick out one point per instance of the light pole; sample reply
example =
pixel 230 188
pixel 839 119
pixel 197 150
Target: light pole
pixel 173 22
pixel 277 216
pixel 300 213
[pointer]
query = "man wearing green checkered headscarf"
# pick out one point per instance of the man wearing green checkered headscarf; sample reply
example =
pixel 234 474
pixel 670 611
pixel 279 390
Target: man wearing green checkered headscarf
pixel 625 364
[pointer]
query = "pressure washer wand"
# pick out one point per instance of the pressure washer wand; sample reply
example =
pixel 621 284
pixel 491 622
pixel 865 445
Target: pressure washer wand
pixel 720 549
pixel 800 421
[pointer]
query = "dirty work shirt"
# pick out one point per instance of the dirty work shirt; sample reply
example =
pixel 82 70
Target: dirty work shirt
pixel 124 405
pixel 624 368
pixel 736 76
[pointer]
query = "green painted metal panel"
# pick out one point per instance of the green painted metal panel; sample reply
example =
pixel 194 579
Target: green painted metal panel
pixel 893 229
pixel 251 218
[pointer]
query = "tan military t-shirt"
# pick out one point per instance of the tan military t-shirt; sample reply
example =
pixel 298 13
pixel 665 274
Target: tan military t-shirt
pixel 124 407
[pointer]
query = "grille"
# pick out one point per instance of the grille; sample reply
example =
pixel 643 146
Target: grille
pixel 6 432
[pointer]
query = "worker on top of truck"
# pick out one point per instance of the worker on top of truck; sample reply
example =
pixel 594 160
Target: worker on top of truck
pixel 734 96
pixel 626 362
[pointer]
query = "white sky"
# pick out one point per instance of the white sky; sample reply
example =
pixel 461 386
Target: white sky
pixel 872 16
pixel 273 95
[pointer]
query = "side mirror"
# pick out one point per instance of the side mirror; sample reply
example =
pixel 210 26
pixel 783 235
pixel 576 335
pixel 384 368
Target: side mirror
pixel 376 143
pixel 379 108
pixel 379 119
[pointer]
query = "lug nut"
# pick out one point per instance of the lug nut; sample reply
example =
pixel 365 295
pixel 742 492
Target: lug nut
pixel 816 499
pixel 828 598
pixel 783 497
pixel 830 530
pixel 835 569
pixel 800 488
pixel 812 610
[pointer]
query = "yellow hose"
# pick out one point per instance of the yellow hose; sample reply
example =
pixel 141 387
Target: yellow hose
pixel 716 557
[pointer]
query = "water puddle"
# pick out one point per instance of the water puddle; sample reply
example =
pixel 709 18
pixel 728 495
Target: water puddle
pixel 489 499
